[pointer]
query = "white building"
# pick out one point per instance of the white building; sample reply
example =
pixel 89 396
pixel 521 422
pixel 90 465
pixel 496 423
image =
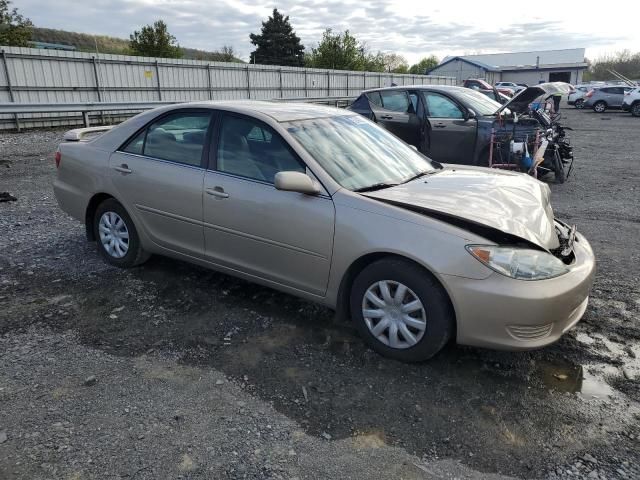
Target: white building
pixel 521 67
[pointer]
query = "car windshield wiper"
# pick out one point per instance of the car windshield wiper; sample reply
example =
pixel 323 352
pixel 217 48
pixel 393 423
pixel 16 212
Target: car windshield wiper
pixel 375 186
pixel 420 174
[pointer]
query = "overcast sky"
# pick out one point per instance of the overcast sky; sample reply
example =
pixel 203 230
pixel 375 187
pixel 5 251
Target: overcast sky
pixel 413 29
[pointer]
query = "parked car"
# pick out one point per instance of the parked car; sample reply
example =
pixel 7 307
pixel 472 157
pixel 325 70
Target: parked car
pixel 495 95
pixel 631 102
pixel 511 85
pixel 479 84
pixel 576 97
pixel 448 124
pixel 325 205
pixel 602 98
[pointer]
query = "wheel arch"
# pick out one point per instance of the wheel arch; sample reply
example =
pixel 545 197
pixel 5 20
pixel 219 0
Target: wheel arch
pixel 90 212
pixel 358 265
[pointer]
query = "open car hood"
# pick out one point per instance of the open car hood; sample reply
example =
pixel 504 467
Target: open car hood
pixel 515 204
pixel 520 102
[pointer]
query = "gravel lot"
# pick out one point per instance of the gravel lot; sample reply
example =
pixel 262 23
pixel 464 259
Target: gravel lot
pixel 173 371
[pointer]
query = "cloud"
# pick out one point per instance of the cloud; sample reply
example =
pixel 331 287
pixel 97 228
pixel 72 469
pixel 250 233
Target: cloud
pixel 382 24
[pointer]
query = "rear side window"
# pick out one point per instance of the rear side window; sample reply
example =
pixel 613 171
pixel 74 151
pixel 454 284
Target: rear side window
pixel 178 138
pixel 395 100
pixel 136 144
pixel 375 98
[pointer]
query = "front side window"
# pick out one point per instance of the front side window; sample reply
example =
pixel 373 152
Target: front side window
pixel 248 148
pixel 395 100
pixel 356 152
pixel 177 137
pixel 440 106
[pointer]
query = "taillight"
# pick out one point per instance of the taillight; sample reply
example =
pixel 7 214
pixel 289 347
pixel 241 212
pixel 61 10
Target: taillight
pixel 58 158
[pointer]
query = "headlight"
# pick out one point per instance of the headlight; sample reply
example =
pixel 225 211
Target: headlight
pixel 519 263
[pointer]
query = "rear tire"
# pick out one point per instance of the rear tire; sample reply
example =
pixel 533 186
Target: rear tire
pixel 116 235
pixel 599 107
pixel 415 307
pixel 579 104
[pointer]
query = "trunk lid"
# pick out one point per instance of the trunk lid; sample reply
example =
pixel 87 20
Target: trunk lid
pixel 520 102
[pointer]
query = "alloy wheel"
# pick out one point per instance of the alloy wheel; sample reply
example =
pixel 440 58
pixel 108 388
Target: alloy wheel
pixel 635 110
pixel 114 234
pixel 394 314
pixel 579 104
pixel 599 107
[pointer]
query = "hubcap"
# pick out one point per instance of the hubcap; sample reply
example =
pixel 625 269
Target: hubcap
pixel 114 234
pixel 394 314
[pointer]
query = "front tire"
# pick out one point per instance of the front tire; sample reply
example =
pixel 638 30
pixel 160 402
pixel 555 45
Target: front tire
pixel 599 107
pixel 635 109
pixel 401 310
pixel 116 235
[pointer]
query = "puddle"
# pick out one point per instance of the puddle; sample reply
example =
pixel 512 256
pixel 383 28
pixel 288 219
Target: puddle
pixel 575 379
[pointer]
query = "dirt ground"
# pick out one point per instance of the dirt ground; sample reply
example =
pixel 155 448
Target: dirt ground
pixel 172 371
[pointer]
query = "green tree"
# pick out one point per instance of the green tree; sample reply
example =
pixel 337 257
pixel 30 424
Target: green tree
pixel 277 43
pixel 624 62
pixel 395 63
pixel 342 51
pixel 423 65
pixel 154 41
pixel 15 30
pixel 227 54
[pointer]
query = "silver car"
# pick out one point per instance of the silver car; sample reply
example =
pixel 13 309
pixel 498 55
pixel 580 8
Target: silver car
pixel 576 97
pixel 324 204
pixel 602 98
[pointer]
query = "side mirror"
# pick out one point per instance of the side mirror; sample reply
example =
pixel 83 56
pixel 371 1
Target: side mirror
pixel 296 182
pixel 469 114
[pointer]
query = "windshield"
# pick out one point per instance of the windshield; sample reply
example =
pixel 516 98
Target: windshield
pixel 479 103
pixel 357 153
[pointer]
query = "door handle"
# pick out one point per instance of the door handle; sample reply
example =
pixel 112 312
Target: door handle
pixel 440 125
pixel 217 192
pixel 386 117
pixel 124 168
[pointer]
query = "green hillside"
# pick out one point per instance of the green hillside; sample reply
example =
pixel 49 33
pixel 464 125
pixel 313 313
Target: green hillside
pixel 87 43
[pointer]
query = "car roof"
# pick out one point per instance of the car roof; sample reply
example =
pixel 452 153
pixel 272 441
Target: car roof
pixel 278 111
pixel 444 88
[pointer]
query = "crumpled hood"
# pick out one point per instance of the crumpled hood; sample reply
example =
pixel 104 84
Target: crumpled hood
pixel 513 203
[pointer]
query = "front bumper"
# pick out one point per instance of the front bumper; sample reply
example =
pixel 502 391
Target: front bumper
pixel 502 313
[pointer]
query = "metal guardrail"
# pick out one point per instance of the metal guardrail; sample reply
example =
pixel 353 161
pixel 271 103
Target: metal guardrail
pixel 86 108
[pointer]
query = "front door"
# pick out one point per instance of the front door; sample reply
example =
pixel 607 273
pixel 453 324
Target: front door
pixel 158 177
pixel 451 137
pixel 250 226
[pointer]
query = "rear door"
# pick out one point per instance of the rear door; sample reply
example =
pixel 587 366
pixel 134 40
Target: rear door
pixel 452 138
pixel 395 112
pixel 250 226
pixel 158 176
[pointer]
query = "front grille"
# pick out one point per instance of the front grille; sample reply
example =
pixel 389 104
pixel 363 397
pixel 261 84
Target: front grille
pixel 529 332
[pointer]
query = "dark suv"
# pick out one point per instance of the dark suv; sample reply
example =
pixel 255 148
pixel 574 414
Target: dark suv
pixel 448 124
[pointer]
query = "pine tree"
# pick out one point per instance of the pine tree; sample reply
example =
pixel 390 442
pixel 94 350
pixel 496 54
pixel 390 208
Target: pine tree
pixel 277 43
